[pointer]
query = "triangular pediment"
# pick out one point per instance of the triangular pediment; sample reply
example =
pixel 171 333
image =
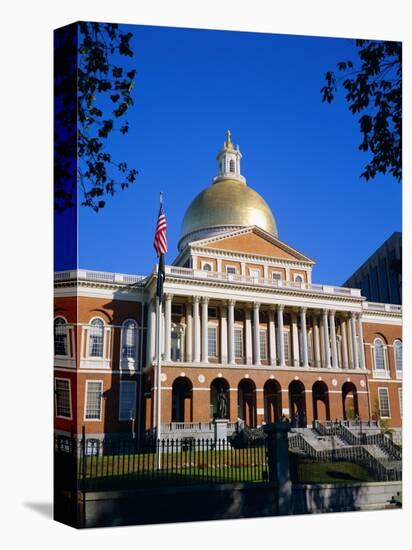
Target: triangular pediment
pixel 254 241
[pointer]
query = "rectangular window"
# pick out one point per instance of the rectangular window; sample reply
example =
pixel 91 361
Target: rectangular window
pixel 63 398
pixel 238 342
pixel 212 341
pixel 127 407
pixel 276 276
pixel 230 269
pixel 254 273
pixel 286 345
pixel 212 313
pixel 263 344
pixel 60 338
pixel 177 309
pixel 94 391
pixel 400 400
pixel 384 409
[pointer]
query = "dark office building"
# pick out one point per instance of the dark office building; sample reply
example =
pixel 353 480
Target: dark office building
pixel 380 277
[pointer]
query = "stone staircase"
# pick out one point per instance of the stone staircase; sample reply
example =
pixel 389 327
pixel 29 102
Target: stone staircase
pixel 317 441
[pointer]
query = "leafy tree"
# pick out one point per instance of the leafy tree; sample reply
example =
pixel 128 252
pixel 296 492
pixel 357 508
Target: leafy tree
pixel 382 422
pixel 374 90
pixel 87 68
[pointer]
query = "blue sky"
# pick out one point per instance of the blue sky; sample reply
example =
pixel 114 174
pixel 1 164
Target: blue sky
pixel 299 153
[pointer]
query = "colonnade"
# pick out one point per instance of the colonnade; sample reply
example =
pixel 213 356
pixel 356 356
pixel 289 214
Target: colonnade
pixel 313 335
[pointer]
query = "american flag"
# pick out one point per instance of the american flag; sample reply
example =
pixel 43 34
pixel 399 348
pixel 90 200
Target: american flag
pixel 160 240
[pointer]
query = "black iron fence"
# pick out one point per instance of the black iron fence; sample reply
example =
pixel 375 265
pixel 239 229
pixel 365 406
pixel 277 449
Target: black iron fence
pixel 131 463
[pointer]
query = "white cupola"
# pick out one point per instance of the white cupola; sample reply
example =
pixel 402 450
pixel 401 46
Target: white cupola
pixel 228 162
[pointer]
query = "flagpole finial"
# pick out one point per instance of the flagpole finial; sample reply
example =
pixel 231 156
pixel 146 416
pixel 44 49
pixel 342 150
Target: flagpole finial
pixel 161 197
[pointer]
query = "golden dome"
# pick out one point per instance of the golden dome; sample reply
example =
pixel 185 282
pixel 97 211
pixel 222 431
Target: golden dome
pixel 227 204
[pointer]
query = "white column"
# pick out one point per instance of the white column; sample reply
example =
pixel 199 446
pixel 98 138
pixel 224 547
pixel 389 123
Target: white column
pixel 162 330
pixel 196 331
pixel 248 335
pixel 295 340
pixel 205 320
pixel 272 337
pixel 316 341
pixel 256 337
pixel 168 325
pixel 361 347
pixel 326 343
pixel 231 331
pixel 189 334
pixel 355 353
pixel 305 358
pixel 332 328
pixel 281 343
pixel 223 333
pixel 344 344
pixel 151 332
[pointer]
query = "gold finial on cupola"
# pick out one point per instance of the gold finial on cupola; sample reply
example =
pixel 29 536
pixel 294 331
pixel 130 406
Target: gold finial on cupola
pixel 228 143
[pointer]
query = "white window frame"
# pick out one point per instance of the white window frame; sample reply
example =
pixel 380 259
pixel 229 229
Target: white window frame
pixel 263 331
pixel 128 362
pixel 123 383
pixel 86 399
pixel 203 264
pixel 398 371
pixel 389 403
pixel 278 276
pixel 300 276
pixel 255 273
pixel 68 343
pixel 227 267
pixel 239 330
pixel 380 373
pixel 213 327
pixel 286 340
pixel 95 357
pixel 70 398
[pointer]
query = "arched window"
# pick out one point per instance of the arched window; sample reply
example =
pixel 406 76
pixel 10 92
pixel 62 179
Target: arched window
pixel 60 336
pixel 96 338
pixel 129 339
pixel 298 279
pixel 207 267
pixel 379 355
pixel 232 166
pixel 397 348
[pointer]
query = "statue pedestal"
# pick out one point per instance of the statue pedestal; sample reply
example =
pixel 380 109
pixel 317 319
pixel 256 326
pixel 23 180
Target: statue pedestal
pixel 221 428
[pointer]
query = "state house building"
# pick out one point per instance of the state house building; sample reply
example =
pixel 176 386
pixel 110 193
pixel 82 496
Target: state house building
pixel 240 314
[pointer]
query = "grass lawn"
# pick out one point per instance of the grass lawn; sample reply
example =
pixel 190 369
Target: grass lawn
pixel 332 472
pixel 231 465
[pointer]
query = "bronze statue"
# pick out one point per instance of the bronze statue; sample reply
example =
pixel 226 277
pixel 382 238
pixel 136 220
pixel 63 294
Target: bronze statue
pixel 221 404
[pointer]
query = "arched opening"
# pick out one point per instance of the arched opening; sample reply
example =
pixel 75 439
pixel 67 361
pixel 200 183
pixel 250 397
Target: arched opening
pixel 297 404
pixel 272 398
pixel 320 396
pixel 246 392
pixel 350 401
pixel 219 398
pixel 182 410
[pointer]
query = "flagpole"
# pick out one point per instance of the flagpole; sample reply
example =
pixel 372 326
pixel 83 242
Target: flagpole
pixel 159 296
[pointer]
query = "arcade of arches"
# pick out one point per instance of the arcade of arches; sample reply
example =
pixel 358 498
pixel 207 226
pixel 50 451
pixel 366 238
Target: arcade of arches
pixel 299 402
